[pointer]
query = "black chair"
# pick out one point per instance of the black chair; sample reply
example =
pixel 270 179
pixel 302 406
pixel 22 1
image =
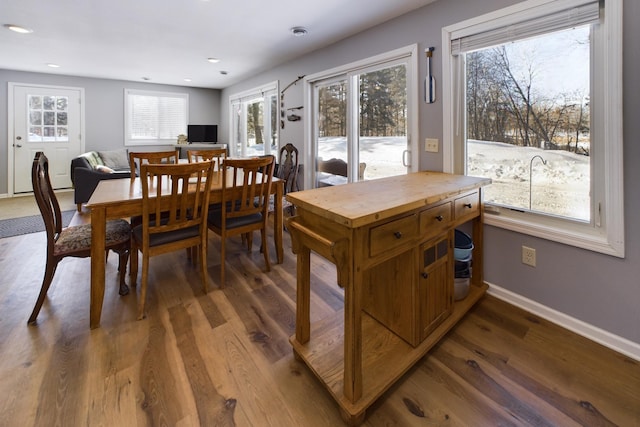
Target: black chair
pixel 71 241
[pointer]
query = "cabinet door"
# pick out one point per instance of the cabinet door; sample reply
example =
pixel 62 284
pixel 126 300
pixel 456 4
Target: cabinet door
pixel 435 290
pixel 388 295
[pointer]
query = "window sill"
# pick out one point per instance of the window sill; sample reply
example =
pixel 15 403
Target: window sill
pixel 580 235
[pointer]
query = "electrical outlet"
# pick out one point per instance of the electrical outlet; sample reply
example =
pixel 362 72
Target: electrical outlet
pixel 431 145
pixel 529 256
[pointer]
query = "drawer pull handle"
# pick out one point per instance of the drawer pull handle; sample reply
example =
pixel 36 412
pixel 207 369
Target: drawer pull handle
pixel 425 275
pixel 440 218
pixel 467 205
pixel 398 235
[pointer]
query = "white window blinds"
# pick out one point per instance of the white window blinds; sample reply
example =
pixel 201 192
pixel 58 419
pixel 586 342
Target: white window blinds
pixel 541 20
pixel 155 117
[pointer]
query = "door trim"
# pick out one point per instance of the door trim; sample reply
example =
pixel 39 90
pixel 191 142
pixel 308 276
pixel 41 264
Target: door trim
pixel 11 118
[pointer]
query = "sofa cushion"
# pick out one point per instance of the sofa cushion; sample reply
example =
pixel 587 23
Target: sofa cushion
pixel 93 158
pixel 104 169
pixel 115 159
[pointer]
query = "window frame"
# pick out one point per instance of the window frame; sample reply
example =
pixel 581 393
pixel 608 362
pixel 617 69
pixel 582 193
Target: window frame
pixel 605 232
pixel 264 91
pixel 128 140
pixel 407 55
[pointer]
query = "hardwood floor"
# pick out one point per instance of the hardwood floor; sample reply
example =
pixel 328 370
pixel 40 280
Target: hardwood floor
pixel 223 359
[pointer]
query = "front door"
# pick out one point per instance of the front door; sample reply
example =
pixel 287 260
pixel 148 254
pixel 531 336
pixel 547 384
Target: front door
pixel 47 119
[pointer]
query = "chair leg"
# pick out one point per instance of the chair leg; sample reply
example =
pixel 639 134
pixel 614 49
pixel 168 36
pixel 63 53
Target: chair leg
pixel 222 260
pixel 265 252
pixel 122 270
pixel 46 282
pixel 79 207
pixel 143 287
pixel 250 240
pixel 203 267
pixel 133 274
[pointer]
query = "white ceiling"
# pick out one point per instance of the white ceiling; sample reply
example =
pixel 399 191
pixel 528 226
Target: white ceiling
pixel 170 40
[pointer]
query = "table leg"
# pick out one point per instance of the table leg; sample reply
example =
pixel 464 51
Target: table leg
pixel 353 337
pixel 278 223
pixel 98 233
pixel 303 298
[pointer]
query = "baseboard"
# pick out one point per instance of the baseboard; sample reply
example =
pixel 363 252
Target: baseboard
pixel 614 342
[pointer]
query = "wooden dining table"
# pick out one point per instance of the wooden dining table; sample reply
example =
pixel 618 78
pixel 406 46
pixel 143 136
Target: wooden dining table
pixel 122 198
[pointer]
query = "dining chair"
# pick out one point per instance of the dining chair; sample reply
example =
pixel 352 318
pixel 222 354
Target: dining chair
pixel 217 155
pixel 181 193
pixel 136 160
pixel 246 185
pixel 287 170
pixel 72 241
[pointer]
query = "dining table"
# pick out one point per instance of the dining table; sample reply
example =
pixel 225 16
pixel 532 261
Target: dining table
pixel 122 198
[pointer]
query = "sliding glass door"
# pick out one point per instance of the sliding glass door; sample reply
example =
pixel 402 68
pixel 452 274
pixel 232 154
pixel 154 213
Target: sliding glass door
pixel 361 123
pixel 254 116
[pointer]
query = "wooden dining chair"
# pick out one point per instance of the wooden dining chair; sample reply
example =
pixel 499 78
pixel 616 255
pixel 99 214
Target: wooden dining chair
pixel 71 241
pixel 136 160
pixel 181 193
pixel 287 170
pixel 217 155
pixel 246 185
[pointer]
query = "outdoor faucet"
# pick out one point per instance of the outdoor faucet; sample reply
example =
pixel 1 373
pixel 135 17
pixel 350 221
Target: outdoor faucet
pixel 544 162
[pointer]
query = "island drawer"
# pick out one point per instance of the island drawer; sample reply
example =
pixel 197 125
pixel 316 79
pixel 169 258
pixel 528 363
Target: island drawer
pixel 435 220
pixel 392 234
pixel 466 205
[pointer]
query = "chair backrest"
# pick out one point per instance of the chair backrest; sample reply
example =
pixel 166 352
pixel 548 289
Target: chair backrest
pixel 46 198
pixel 136 160
pixel 288 167
pixel 217 155
pixel 180 191
pixel 339 167
pixel 246 185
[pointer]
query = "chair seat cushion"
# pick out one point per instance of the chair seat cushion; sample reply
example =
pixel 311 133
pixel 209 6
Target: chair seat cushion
pixel 77 239
pixel 215 219
pixel 157 239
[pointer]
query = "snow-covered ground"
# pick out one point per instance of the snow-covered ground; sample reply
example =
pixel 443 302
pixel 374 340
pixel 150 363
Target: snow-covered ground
pixel 559 187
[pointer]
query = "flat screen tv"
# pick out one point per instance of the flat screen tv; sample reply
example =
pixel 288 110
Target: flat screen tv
pixel 202 134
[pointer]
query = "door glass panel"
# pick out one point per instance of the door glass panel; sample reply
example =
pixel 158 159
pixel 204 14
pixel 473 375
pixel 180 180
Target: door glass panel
pixel 331 133
pixel 383 122
pixel 48 119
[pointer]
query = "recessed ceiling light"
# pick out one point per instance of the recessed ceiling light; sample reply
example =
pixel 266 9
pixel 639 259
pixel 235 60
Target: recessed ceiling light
pixel 213 60
pixel 224 73
pixel 299 31
pixel 187 80
pixel 53 65
pixel 18 29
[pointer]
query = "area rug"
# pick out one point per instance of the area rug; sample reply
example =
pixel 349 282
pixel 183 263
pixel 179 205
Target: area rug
pixel 28 224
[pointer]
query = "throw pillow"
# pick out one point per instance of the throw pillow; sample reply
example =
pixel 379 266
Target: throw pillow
pixel 115 159
pixel 104 169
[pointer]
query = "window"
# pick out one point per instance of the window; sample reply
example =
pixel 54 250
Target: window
pixel 254 121
pixel 362 115
pixel 47 117
pixel 154 118
pixel 535 103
